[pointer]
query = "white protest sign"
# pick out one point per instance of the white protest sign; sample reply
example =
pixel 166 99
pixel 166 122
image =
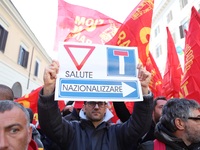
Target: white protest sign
pixel 96 72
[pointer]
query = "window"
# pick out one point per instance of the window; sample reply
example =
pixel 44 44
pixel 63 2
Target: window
pixel 169 16
pixel 23 57
pixel 182 29
pixel 3 38
pixel 183 3
pixel 36 70
pixel 158 51
pixel 157 31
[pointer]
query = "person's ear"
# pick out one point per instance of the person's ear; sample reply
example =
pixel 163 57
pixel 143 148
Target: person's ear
pixel 107 106
pixel 180 124
pixel 83 108
pixel 105 109
pixel 30 130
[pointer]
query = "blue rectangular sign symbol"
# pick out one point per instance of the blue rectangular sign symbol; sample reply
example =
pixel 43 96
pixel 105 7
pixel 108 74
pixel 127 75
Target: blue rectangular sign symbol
pixel 99 89
pixel 121 62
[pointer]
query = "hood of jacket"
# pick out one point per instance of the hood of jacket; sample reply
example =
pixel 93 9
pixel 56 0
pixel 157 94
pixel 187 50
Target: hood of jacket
pixel 106 118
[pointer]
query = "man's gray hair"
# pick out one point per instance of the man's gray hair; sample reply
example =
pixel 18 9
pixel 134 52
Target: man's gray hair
pixel 177 108
pixel 6 105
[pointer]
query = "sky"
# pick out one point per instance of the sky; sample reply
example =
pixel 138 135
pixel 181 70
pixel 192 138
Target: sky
pixel 41 15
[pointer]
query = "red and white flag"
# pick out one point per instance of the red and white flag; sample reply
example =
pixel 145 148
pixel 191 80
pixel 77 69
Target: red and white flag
pixel 81 24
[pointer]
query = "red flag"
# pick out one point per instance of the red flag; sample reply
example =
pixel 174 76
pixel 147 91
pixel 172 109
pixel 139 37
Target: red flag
pixel 135 31
pixel 173 71
pixel 115 119
pixel 80 24
pixel 190 84
pixel 156 79
pixel 30 101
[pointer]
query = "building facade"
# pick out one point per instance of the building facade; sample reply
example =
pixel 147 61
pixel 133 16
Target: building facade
pixel 22 57
pixel 174 14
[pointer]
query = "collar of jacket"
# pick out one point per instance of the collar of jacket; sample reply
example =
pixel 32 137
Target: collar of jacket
pixel 162 134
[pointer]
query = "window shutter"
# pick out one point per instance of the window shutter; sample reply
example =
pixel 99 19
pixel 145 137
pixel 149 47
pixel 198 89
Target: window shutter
pixel 36 69
pixel 3 38
pixel 25 59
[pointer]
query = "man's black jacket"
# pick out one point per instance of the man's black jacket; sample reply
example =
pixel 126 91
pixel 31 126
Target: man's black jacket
pixel 82 135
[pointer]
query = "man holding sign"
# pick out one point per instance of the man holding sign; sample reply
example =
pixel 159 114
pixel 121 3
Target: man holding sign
pixel 93 132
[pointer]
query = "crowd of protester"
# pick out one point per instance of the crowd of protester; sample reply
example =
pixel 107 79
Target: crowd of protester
pixel 153 124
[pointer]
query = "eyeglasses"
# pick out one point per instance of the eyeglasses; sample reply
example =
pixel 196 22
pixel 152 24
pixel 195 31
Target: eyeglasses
pixel 194 118
pixel 93 104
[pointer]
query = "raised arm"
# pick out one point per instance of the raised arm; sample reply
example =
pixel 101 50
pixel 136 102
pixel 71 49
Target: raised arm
pixel 140 120
pixel 50 75
pixel 120 107
pixel 49 114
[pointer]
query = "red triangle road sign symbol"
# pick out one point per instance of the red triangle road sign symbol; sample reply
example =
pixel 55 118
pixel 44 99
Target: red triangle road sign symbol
pixel 81 47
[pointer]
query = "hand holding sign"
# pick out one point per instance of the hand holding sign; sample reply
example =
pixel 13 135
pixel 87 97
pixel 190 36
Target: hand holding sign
pixel 50 75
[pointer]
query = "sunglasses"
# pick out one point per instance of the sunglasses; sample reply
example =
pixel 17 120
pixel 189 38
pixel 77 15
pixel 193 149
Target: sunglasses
pixel 93 104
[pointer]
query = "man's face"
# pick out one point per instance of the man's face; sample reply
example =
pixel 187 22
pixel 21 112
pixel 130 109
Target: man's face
pixel 15 134
pixel 95 111
pixel 192 128
pixel 158 110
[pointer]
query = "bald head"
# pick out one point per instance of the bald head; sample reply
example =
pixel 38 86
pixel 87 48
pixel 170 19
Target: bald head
pixel 6 93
